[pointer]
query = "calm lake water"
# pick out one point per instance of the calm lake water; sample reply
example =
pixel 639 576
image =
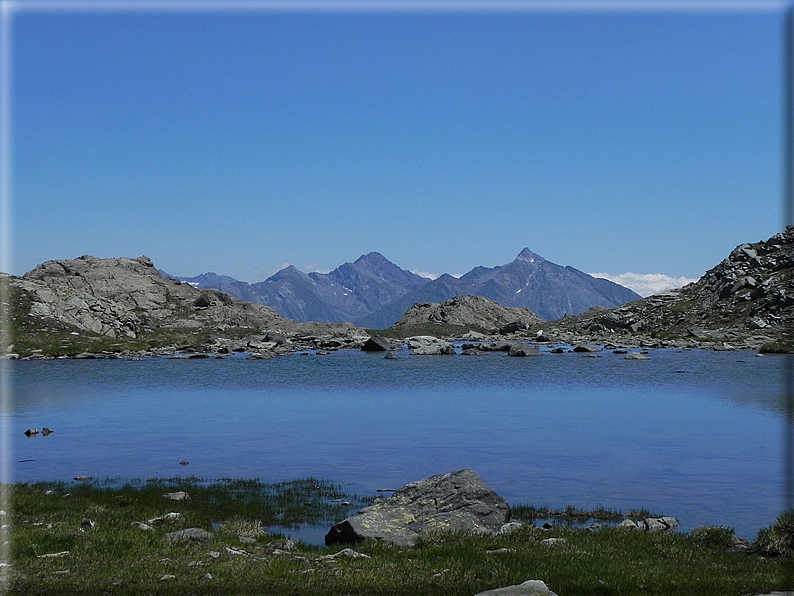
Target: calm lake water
pixel 692 434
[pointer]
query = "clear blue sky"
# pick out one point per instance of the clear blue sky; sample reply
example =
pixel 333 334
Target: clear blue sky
pixel 236 142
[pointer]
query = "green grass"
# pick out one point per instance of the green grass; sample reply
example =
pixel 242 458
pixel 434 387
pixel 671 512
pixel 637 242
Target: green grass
pixel 114 557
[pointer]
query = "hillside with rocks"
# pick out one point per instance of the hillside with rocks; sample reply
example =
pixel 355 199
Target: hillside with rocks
pixel 748 295
pixel 121 304
pixel 464 313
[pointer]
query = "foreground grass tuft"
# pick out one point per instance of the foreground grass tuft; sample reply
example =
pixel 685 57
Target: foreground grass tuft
pixel 80 539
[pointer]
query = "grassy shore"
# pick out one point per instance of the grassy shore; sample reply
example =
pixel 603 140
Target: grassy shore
pixel 85 538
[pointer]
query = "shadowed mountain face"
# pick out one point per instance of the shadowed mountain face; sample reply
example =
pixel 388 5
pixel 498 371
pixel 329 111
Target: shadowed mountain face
pixel 529 281
pixel 374 292
pixel 350 292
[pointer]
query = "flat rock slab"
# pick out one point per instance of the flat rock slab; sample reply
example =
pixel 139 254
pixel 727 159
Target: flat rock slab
pixel 458 502
pixel 532 587
pixel 195 534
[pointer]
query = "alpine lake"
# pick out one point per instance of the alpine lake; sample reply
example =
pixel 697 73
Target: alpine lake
pixel 693 434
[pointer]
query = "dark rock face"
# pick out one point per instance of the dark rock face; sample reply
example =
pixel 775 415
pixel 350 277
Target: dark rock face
pixel 458 502
pixel 530 281
pixel 376 344
pixel 351 292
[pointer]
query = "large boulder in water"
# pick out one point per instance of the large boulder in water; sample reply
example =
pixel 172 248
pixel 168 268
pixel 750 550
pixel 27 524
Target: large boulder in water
pixel 459 502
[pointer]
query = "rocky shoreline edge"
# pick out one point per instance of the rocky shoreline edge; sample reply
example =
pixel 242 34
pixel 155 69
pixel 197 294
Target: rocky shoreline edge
pixel 269 344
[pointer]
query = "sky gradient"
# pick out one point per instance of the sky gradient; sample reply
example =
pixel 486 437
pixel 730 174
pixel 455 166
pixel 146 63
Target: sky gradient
pixel 644 141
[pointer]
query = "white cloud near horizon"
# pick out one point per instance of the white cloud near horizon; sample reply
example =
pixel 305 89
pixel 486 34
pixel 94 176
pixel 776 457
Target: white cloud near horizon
pixel 646 284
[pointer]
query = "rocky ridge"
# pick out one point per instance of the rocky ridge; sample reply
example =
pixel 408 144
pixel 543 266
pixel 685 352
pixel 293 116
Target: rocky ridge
pixel 123 301
pixel 746 300
pixel 468 313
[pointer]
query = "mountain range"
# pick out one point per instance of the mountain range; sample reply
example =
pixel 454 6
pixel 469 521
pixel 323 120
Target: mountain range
pixel 373 292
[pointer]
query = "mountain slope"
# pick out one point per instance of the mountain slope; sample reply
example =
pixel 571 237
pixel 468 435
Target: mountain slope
pixel 529 281
pixel 749 292
pixel 350 292
pixel 127 300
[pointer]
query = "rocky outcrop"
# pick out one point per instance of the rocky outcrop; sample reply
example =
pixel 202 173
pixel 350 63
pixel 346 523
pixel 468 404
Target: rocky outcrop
pixel 128 299
pixel 468 312
pixel 457 502
pixel 749 294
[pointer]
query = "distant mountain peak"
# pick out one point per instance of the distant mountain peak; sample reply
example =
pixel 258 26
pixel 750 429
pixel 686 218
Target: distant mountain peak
pixel 372 257
pixel 528 255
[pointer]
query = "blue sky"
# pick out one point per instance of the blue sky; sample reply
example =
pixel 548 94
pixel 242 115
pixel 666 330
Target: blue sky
pixel 644 141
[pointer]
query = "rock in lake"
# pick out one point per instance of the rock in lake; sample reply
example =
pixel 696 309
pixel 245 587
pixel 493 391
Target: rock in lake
pixel 459 502
pixel 523 350
pixel 376 344
pixel 427 345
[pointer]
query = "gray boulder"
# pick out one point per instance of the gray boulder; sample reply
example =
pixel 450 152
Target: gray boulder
pixel 427 345
pixel 194 534
pixel 459 502
pixel 523 350
pixel 531 587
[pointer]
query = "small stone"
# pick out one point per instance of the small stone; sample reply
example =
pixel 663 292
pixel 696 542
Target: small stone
pixel 510 527
pixel 347 552
pixel 207 576
pixel 553 541
pixel 195 534
pixel 141 526
pixel 64 553
pixel 167 577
